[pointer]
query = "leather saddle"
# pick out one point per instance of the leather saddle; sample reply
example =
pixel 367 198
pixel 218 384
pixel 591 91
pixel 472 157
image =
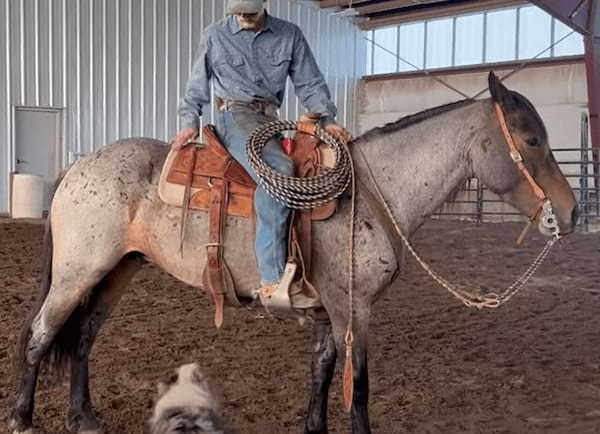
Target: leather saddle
pixel 205 177
pixel 205 167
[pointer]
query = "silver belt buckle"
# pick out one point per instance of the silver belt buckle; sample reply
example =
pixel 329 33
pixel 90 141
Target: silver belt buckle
pixel 270 111
pixel 223 106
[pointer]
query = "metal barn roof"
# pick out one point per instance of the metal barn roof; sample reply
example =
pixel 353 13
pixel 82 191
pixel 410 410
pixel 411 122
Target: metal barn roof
pixel 581 15
pixel 371 14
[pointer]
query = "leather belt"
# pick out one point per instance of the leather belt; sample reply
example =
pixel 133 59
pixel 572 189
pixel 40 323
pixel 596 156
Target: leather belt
pixel 266 108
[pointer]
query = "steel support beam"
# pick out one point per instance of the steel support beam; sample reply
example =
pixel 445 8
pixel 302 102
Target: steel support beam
pixel 574 13
pixel 592 64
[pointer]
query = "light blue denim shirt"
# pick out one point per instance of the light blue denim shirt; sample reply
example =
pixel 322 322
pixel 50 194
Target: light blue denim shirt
pixel 248 66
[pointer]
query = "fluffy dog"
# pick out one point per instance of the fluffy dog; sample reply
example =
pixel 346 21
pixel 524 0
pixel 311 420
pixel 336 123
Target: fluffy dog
pixel 186 404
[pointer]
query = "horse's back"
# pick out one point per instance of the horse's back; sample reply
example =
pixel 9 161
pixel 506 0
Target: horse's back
pixel 116 166
pixel 101 193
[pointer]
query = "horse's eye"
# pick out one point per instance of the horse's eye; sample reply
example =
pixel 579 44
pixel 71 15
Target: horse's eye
pixel 533 142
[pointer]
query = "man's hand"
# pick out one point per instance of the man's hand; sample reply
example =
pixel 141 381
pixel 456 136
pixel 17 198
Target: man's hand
pixel 339 132
pixel 182 138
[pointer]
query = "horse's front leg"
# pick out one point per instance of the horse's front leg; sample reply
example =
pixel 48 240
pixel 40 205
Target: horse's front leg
pixel 360 401
pixel 322 367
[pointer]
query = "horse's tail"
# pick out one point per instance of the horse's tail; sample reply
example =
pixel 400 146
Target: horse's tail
pixel 46 282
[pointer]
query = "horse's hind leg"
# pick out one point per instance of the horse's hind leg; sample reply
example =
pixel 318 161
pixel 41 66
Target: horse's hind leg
pixel 88 320
pixel 39 335
pixel 322 367
pixel 22 415
pixel 67 279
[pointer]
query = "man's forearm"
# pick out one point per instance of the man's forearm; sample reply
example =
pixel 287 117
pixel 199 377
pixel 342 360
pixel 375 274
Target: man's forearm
pixel 189 114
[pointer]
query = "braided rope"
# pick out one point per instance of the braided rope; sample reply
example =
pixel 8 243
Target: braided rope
pixel 299 193
pixel 470 298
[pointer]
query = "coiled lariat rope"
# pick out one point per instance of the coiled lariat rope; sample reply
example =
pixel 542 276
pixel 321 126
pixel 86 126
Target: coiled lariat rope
pixel 299 193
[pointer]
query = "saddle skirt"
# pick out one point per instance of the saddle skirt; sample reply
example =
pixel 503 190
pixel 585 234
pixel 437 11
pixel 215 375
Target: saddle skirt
pixel 207 178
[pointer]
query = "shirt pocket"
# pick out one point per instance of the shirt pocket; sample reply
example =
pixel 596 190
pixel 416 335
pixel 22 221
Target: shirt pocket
pixel 230 67
pixel 277 66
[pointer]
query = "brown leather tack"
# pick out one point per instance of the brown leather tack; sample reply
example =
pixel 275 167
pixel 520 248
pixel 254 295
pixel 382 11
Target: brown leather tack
pixel 307 159
pixel 220 185
pixel 308 127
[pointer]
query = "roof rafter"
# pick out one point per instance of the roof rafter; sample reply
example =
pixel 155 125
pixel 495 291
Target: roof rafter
pixel 389 5
pixel 340 3
pixel 434 11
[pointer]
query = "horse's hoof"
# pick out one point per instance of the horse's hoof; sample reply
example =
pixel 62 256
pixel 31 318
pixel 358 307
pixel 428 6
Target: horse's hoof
pixel 13 425
pixel 83 422
pixel 17 428
pixel 77 430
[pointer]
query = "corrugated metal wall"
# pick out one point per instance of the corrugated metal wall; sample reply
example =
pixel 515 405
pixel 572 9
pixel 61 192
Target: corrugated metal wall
pixel 118 67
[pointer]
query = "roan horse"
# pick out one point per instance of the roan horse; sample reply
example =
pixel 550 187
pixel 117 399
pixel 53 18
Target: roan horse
pixel 106 218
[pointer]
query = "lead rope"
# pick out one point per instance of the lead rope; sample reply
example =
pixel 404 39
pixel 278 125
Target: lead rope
pixel 348 379
pixel 468 298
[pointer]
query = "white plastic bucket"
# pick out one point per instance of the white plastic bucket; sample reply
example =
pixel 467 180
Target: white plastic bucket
pixel 27 196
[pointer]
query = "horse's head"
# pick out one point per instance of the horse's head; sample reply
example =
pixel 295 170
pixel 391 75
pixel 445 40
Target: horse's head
pixel 494 166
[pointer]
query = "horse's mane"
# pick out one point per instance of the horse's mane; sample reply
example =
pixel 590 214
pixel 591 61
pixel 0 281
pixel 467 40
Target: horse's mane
pixel 415 118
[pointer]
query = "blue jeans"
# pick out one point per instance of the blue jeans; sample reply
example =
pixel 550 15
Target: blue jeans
pixel 233 127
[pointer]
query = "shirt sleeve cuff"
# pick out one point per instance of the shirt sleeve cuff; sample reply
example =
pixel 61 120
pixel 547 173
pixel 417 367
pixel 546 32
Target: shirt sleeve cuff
pixel 191 122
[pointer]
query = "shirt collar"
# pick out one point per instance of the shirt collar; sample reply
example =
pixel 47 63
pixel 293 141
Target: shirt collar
pixel 269 25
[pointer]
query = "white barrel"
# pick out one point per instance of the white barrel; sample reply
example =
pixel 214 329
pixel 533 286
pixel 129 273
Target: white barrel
pixel 27 196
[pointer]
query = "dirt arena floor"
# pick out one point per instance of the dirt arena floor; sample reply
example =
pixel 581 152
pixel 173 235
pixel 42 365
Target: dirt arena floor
pixel 532 366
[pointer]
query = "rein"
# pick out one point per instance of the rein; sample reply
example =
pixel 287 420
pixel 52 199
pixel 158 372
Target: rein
pixel 472 298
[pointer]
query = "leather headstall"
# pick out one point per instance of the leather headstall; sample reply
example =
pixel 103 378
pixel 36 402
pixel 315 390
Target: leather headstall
pixel 545 204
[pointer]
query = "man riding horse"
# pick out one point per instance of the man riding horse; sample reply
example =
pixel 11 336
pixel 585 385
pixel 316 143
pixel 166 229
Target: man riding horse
pixel 248 56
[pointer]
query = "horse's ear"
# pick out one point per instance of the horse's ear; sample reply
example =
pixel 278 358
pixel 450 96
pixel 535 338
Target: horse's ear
pixel 498 91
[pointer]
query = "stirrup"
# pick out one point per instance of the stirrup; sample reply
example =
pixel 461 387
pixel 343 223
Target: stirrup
pixel 278 299
pixel 301 300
